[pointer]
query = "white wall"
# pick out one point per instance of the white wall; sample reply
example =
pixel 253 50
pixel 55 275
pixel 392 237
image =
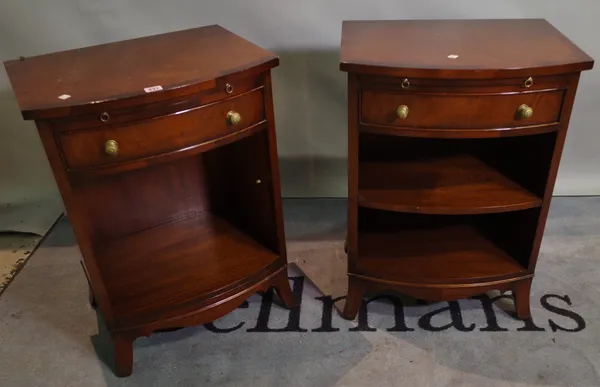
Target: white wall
pixel 310 92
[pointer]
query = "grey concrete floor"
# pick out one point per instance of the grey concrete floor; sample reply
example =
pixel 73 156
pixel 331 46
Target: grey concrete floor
pixel 50 337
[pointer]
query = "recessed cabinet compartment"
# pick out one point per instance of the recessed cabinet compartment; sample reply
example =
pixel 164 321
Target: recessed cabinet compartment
pixel 444 249
pixel 448 176
pixel 213 215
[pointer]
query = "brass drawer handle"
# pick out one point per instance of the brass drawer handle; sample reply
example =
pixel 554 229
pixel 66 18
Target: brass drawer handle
pixel 228 88
pixel 402 112
pixel 525 111
pixel 111 148
pixel 234 118
pixel 528 82
pixel 104 117
pixel 405 84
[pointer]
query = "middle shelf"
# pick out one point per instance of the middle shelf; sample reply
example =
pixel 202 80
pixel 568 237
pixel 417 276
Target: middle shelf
pixel 453 176
pixel 450 184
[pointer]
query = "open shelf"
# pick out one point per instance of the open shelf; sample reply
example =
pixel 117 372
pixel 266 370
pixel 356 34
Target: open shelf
pixel 443 255
pixel 444 249
pixel 444 184
pixel 178 262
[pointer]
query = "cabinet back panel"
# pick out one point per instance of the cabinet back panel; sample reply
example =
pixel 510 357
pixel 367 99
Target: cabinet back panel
pixel 126 203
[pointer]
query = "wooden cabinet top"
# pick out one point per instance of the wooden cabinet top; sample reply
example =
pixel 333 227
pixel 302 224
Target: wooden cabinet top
pixel 127 69
pixel 459 48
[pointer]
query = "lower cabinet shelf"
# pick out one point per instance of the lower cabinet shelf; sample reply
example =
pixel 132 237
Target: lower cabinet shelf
pixel 438 255
pixel 179 263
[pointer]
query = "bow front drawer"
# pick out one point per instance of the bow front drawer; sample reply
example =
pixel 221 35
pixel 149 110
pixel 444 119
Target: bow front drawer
pixel 109 145
pixel 460 111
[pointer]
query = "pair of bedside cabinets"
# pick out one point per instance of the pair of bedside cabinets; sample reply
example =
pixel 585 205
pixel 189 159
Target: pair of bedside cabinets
pixel 165 155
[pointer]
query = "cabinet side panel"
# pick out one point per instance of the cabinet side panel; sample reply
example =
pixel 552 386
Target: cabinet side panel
pixel 353 149
pixel 275 186
pixel 553 168
pixel 75 204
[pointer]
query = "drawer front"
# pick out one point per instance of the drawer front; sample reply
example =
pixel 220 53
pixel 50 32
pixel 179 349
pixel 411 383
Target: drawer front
pixel 103 116
pixel 460 111
pixel 110 145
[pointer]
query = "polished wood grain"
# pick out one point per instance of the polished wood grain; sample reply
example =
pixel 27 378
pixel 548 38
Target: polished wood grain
pixel 274 188
pixel 459 132
pixel 485 48
pixel 451 254
pixel 92 173
pixel 115 71
pixel 216 307
pixel 184 222
pixel 460 111
pixel 83 227
pixel 553 168
pixel 510 85
pixel 522 300
pixel 455 184
pixel 123 350
pixel 353 164
pixel 206 250
pixel 521 167
pixel 183 184
pixel 244 195
pixel 451 200
pixel 85 149
pixel 359 286
pixel 133 113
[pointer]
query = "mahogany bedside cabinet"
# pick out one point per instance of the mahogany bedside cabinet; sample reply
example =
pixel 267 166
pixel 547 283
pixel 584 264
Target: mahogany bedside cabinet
pixel 455 133
pixel 164 152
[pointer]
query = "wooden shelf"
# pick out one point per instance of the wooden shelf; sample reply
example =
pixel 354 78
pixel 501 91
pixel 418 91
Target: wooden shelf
pixel 176 263
pixel 450 254
pixel 457 184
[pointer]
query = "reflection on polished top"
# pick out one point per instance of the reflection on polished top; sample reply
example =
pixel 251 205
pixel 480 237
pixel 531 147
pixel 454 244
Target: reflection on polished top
pixel 457 47
pixel 153 64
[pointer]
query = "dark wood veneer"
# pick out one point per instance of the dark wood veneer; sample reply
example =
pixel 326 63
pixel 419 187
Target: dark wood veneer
pixel 148 137
pixel 448 195
pixel 201 255
pixel 459 111
pixel 181 222
pixel 450 254
pixel 455 184
pixel 157 61
pixel 486 49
